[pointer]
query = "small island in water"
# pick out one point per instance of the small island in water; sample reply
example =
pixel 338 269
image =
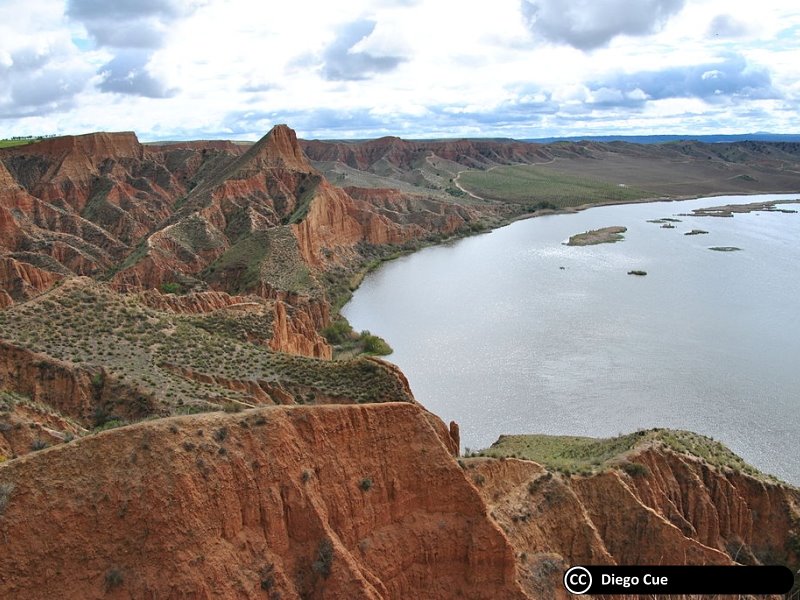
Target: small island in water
pixel 606 235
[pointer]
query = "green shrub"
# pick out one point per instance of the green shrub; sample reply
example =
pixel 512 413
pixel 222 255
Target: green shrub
pixel 366 484
pixel 374 344
pixel 171 288
pixel 635 469
pixel 338 332
pixel 110 424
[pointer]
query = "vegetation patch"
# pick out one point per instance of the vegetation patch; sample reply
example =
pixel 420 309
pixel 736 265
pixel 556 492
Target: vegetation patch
pixel 605 235
pixel 163 363
pixel 529 184
pixel 347 342
pixel 584 455
pixel 323 563
pixel 22 140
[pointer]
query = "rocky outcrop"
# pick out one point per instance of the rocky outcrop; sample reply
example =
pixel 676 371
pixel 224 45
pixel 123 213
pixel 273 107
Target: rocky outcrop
pixel 21 280
pixel 196 302
pixel 59 384
pixel 294 331
pixel 253 506
pixel 752 520
pixel 72 390
pixel 675 510
pixel 331 224
pixel 26 427
pixel 232 217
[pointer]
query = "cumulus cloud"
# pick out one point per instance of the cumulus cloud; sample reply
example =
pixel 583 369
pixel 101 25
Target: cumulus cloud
pixel 128 23
pixel 127 73
pixel 343 61
pixel 732 77
pixel 38 81
pixel 132 30
pixel 590 24
pixel 726 26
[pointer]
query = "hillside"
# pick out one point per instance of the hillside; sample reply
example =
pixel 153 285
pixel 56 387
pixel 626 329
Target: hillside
pixel 359 502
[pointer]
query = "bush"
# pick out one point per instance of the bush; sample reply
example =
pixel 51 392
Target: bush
pixel 5 495
pixel 38 444
pixel 366 484
pixel 171 288
pixel 322 565
pixel 267 574
pixel 635 469
pixel 112 424
pixel 113 578
pixel 374 345
pixel 338 332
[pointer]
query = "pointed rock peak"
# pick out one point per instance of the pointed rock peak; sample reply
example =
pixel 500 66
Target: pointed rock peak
pixel 279 148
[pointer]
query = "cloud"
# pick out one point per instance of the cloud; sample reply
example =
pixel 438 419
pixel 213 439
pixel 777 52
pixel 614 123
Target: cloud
pixel 127 73
pixel 726 26
pixel 732 77
pixel 128 23
pixel 342 62
pixel 132 30
pixel 37 81
pixel 590 24
pixel 259 86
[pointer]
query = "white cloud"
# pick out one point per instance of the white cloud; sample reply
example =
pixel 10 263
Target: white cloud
pixel 169 68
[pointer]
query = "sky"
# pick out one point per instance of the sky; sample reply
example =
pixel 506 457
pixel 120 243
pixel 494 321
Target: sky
pixel 231 69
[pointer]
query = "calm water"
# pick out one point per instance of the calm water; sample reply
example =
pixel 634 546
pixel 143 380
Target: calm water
pixel 493 334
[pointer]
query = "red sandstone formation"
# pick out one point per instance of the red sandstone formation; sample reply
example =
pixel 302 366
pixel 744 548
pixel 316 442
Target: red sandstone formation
pixel 282 502
pixel 20 280
pixel 148 216
pixel 72 390
pixel 261 498
pixel 683 511
pixel 294 331
pixel 28 427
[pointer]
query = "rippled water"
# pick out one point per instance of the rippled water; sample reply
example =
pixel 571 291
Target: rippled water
pixel 493 334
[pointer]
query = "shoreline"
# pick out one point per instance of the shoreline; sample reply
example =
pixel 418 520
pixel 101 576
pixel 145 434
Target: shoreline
pixel 575 210
pixel 360 275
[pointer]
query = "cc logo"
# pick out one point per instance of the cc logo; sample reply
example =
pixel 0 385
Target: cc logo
pixel 578 580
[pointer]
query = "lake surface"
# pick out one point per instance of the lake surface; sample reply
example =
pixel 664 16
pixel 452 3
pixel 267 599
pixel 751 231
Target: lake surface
pixel 493 334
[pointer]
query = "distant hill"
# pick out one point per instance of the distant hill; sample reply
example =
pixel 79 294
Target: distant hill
pixel 663 139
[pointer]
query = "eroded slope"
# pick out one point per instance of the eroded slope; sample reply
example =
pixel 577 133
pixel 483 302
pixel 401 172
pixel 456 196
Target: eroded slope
pixel 317 502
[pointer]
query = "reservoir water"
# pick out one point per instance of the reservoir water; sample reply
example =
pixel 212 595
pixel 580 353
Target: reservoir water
pixel 494 334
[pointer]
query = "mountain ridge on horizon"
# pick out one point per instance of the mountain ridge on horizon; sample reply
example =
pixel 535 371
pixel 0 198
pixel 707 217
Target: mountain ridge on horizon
pixel 656 138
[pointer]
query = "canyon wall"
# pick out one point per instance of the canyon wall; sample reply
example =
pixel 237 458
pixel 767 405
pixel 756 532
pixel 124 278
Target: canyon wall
pixel 282 502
